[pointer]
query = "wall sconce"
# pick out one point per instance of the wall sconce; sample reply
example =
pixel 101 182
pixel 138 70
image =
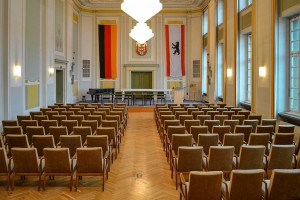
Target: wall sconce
pixel 51 71
pixel 229 72
pixel 17 71
pixel 262 71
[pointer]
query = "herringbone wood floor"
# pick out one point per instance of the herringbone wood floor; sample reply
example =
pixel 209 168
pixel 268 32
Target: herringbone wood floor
pixel 140 171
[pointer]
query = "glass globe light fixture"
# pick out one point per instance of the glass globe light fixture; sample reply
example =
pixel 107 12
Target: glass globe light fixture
pixel 141 33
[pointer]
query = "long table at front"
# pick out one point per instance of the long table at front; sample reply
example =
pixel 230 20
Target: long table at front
pixel 140 92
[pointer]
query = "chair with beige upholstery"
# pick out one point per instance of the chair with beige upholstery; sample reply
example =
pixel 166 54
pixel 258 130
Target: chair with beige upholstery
pixel 283 138
pixel 281 157
pixel 34 113
pixel 286 128
pixel 265 129
pixel 236 110
pixel 201 186
pixel 91 162
pixel 213 114
pixel 67 107
pixel 241 118
pixel 182 118
pixel 6 123
pixel 90 109
pixel 58 163
pixel 244 184
pixel 168 139
pixel 16 141
pixel 178 111
pixel 260 139
pixel 246 113
pixel 229 114
pixel 40 118
pixel 195 130
pixel 221 110
pixel 74 110
pixel 189 123
pixel 42 141
pixel 102 113
pixel 81 107
pixel 51 113
pixel 20 118
pixel 57 132
pixel 235 140
pixel 26 123
pixel 203 118
pixel 13 130
pixel 257 117
pixel 245 129
pixel 90 123
pixel 67 113
pixel 284 184
pixel 115 125
pixel 232 124
pixel 251 122
pixel 83 131
pixel 98 118
pixel 59 118
pixel 220 158
pixel 205 110
pixel 59 110
pixel 44 110
pixel 72 142
pixel 268 122
pixel 107 110
pixel 84 113
pixel 190 110
pixel 162 122
pixel 26 163
pixel 206 141
pixel 5 166
pixel 196 113
pixel 48 123
pixel 251 157
pixel 70 124
pixel 78 118
pixel 211 124
pixel 117 119
pixel 112 138
pixel 34 130
pixel 221 131
pixel 221 118
pixel 188 159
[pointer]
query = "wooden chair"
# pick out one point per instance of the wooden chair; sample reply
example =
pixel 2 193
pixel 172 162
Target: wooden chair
pixel 47 124
pixel 98 118
pixel 236 140
pixel 51 113
pixel 58 163
pixel 67 113
pixel 42 141
pixel 269 122
pixel 84 113
pixel 91 162
pixel 252 122
pixel 83 131
pixel 229 114
pixel 16 141
pixel 202 118
pixel 232 124
pixel 211 124
pixel 59 118
pixel 5 166
pixel 260 139
pixel 286 128
pixel 196 113
pixel 44 110
pixel 70 124
pixel 56 132
pixel 245 113
pixel 20 118
pixel 241 118
pixel 72 142
pixel 245 129
pixel 258 117
pixel 26 123
pixel 34 113
pixel 112 138
pixel 251 157
pixel 221 131
pixel 195 130
pixel 78 118
pixel 221 118
pixel 39 119
pixel 283 138
pixel 34 130
pixel 93 124
pixel 189 123
pixel 206 141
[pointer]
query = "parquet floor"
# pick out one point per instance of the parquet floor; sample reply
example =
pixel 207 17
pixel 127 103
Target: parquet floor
pixel 140 172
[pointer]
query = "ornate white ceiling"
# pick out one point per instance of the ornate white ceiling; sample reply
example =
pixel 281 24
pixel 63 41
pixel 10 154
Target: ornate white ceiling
pixel 116 4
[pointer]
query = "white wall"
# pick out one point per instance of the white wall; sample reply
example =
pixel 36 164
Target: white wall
pixel 69 49
pixel 1 60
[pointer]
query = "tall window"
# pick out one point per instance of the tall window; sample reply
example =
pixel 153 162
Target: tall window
pixel 219 58
pixel 249 68
pixel 220 70
pixel 294 64
pixel 204 55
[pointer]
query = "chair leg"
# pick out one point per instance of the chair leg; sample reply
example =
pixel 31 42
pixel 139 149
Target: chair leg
pixel 8 182
pixel 44 182
pixel 39 186
pixel 71 181
pixel 76 182
pixel 103 182
pixel 176 181
pixel 13 181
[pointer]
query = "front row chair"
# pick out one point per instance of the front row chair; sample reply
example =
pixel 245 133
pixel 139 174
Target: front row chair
pixel 91 162
pixel 201 186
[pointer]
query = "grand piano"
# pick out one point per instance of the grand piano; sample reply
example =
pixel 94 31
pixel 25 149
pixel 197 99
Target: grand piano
pixel 101 94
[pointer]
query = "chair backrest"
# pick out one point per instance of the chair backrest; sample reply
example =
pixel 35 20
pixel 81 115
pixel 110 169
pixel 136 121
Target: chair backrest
pixel 68 113
pixel 25 160
pixel 213 114
pixel 286 128
pixel 44 110
pixel 232 124
pixel 15 130
pixel 195 130
pixel 205 110
pixel 175 130
pixel 221 130
pixel 26 123
pixel 48 123
pixel 189 159
pixel 221 110
pixel 241 118
pixel 90 160
pixel 202 118
pixel 109 131
pixel 181 140
pixel 51 113
pixel 171 123
pixel 190 110
pixel 98 118
pixel 245 129
pixel 283 138
pixel 70 124
pixel 78 118
pixel 90 109
pixel 90 123
pixel 16 141
pixel 102 113
pixel 272 122
pixel 111 123
pixel 42 141
pixel 246 113
pixel 75 110
pixel 182 118
pixel 189 123
pixel 72 142
pixel 163 118
pixel 98 141
pixel 83 131
pixel 258 117
pixel 211 124
pixel 284 184
pixel 3 161
pixel 259 139
pixel 251 157
pixel 220 158
pixel 34 130
pixel 57 132
pixel 39 118
pixel 205 185
pixel 265 129
pixel 207 140
pixel 235 140
pixel 281 157
pixel 196 113
pixel 57 160
pixel 221 118
pixel 229 113
pixel 59 118
pixel 107 110
pixel 6 123
pixel 236 110
pixel 246 183
pixel 59 110
pixel 20 118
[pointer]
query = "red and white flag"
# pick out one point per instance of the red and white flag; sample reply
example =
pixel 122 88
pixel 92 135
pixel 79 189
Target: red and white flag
pixel 175 50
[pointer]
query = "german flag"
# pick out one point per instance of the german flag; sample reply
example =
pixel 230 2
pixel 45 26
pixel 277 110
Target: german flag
pixel 108 51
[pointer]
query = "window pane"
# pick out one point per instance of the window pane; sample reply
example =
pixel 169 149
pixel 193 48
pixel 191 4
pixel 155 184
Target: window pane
pixel 295 24
pixel 294 83
pixel 294 93
pixel 295 61
pixel 295 46
pixel 294 104
pixel 295 35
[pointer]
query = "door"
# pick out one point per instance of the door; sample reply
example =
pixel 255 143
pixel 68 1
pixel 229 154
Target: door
pixel 141 80
pixel 59 86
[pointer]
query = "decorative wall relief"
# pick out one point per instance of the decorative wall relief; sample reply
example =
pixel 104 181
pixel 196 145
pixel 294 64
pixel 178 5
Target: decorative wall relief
pixel 59 27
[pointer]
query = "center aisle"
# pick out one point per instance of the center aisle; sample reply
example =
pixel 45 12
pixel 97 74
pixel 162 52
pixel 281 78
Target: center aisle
pixel 141 170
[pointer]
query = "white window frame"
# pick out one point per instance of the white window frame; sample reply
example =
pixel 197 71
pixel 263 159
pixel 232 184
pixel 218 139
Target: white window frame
pixel 249 68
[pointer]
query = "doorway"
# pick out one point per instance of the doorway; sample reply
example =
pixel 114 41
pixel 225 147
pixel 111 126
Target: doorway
pixel 141 80
pixel 59 86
